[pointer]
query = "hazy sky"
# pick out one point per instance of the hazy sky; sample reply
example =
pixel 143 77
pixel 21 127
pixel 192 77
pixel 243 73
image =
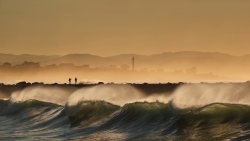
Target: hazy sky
pixel 110 27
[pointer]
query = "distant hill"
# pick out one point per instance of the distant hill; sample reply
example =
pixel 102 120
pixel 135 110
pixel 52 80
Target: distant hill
pixel 17 59
pixel 81 59
pixel 182 60
pixel 205 62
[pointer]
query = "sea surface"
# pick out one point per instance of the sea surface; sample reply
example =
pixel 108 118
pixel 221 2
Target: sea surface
pixel 100 119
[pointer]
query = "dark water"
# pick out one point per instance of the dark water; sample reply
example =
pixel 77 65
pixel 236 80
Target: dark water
pixel 100 120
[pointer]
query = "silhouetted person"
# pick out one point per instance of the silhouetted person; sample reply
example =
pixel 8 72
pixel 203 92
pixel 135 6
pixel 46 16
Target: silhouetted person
pixel 75 80
pixel 69 80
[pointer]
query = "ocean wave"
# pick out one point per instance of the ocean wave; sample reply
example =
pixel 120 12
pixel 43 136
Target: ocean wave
pixel 9 107
pixel 88 112
pixel 145 120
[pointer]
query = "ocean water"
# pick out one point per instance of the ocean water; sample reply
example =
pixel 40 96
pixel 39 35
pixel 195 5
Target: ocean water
pixel 217 116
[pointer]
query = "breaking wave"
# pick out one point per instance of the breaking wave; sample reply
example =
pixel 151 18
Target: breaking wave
pixel 98 119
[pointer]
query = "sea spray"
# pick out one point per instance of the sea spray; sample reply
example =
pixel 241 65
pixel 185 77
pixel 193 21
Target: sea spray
pixel 197 95
pixel 57 95
pixel 185 96
pixel 115 94
pixel 18 99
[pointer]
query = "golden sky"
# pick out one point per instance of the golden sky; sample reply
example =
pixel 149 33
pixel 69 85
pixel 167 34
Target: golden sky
pixel 110 27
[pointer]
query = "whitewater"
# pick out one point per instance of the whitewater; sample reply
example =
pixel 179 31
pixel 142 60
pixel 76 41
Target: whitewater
pixel 122 112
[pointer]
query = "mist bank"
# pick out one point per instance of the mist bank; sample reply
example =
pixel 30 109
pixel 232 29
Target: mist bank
pixel 224 65
pixel 86 75
pixel 147 89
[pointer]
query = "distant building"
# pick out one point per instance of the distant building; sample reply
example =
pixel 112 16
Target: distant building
pixel 30 65
pixel 66 65
pixel 125 67
pixel 144 69
pixel 112 67
pixel 86 66
pixel 160 70
pixel 152 71
pixel 7 64
pixel 178 71
pixel 51 66
pixel 192 70
pixel 133 63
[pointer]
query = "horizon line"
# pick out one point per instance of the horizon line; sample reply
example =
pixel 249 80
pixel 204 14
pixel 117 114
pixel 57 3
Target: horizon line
pixel 124 54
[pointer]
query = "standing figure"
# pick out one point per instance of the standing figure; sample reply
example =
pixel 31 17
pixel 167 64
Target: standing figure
pixel 69 80
pixel 75 80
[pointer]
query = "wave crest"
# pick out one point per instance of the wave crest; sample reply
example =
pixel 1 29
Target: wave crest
pixel 12 107
pixel 89 112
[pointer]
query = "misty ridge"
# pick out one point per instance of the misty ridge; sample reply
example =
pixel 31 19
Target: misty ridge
pixel 168 66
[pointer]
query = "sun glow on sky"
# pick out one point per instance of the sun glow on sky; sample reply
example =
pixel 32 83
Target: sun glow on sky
pixel 113 27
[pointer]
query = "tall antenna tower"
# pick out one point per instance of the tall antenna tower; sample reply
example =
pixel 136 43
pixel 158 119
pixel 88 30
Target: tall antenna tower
pixel 133 63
